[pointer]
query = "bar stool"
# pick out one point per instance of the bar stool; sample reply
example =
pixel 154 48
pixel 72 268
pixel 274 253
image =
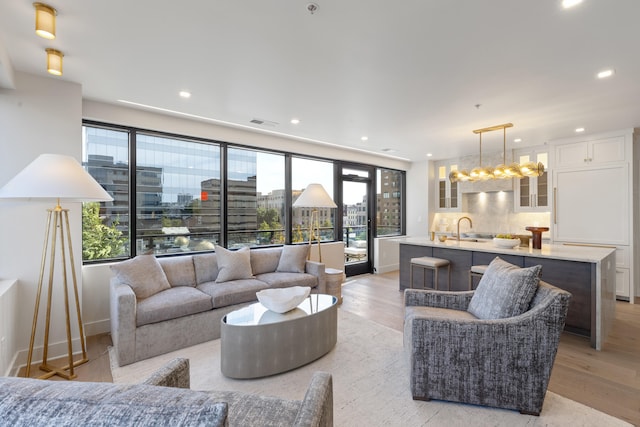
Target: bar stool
pixel 430 263
pixel 476 271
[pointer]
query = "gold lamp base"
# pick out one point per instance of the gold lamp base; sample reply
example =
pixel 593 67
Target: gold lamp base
pixel 58 227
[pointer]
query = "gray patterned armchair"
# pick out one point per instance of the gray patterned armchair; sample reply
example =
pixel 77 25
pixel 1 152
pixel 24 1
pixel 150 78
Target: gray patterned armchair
pixel 504 362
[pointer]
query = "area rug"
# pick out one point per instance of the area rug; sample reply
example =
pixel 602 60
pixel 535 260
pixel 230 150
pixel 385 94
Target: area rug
pixel 370 384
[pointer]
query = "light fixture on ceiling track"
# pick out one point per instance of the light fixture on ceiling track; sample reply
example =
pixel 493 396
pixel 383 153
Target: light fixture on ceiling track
pixel 45 21
pixel 54 61
pixel 502 171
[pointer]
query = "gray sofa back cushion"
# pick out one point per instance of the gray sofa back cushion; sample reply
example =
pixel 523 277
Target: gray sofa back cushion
pixel 143 273
pixel 206 268
pixel 179 270
pixel 265 260
pixel 29 402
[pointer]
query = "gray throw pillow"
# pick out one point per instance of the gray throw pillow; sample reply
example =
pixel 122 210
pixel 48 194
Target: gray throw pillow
pixel 293 259
pixel 233 265
pixel 505 290
pixel 143 273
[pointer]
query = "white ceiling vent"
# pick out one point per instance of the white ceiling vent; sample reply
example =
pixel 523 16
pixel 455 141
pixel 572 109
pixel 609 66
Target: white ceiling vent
pixel 264 122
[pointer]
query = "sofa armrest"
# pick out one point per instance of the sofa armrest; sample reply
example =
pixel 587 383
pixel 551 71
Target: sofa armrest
pixel 173 374
pixel 317 269
pixel 122 307
pixel 440 299
pixel 317 406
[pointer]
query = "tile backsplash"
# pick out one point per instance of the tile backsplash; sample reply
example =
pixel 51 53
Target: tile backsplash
pixel 490 213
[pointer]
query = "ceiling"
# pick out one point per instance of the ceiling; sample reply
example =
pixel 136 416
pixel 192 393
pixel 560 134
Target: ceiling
pixel 415 77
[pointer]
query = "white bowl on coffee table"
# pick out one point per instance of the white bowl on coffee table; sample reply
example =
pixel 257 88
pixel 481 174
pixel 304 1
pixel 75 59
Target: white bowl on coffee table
pixel 282 300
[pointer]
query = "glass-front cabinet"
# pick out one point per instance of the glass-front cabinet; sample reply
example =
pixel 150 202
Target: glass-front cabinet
pixel 449 198
pixel 532 194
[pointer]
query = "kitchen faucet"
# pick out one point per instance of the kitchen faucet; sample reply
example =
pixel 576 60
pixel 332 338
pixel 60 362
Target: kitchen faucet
pixel 470 225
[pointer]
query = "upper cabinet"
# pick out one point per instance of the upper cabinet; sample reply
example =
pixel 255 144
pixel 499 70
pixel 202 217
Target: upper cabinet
pixel 448 196
pixel 532 194
pixel 590 153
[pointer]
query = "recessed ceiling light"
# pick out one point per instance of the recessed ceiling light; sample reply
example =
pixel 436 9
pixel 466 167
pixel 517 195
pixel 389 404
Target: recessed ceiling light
pixel 185 94
pixel 517 140
pixel 605 73
pixel 429 154
pixel 365 138
pixel 295 121
pixel 579 130
pixel 570 3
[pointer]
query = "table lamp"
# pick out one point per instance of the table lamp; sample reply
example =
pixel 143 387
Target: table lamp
pixel 314 196
pixel 56 177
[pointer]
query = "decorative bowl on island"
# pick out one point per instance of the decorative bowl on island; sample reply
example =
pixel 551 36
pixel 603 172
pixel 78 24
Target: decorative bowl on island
pixel 282 300
pixel 506 241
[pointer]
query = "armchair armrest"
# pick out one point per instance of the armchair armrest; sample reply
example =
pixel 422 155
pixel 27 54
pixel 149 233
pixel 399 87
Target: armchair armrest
pixel 440 299
pixel 174 373
pixel 317 406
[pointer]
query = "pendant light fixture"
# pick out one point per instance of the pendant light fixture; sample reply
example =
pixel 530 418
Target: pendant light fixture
pixel 45 21
pixel 54 62
pixel 503 170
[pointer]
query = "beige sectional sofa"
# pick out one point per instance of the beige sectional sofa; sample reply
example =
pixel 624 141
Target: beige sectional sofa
pixel 159 305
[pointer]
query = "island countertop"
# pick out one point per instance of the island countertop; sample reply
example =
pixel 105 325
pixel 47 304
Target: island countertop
pixel 563 252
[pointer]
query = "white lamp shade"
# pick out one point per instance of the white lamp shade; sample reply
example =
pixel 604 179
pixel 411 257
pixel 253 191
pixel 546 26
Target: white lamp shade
pixel 54 177
pixel 314 196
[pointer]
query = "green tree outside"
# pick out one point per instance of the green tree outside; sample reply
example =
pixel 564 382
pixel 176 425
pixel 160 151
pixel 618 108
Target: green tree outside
pixel 99 240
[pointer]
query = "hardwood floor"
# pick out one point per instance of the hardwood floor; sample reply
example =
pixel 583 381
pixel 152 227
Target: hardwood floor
pixel 607 380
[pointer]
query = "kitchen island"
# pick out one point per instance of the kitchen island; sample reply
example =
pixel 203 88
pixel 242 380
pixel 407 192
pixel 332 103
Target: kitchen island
pixel 587 272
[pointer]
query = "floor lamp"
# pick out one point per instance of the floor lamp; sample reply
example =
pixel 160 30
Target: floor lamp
pixel 314 196
pixel 56 177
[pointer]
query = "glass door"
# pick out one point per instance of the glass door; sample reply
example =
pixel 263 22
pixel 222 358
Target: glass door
pixel 356 220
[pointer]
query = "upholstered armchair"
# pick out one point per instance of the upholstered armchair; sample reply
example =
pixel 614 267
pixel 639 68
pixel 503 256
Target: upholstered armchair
pixel 462 349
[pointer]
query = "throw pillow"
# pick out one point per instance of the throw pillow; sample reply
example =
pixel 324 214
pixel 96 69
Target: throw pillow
pixel 143 273
pixel 293 259
pixel 233 265
pixel 505 290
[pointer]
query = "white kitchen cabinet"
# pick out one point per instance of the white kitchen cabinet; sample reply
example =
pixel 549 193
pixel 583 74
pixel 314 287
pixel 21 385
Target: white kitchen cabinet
pixel 448 195
pixel 592 205
pixel 591 152
pixel 533 194
pixel 592 202
pixel 623 283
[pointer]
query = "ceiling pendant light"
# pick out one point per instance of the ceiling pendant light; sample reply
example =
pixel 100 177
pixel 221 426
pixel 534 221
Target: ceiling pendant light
pixel 54 62
pixel 45 21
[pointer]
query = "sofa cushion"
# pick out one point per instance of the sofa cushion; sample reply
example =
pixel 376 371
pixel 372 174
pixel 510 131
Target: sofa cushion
pixel 29 402
pixel 285 280
pixel 206 267
pixel 233 265
pixel 293 258
pixel 143 273
pixel 172 303
pixel 233 292
pixel 505 290
pixel 256 410
pixel 179 270
pixel 265 260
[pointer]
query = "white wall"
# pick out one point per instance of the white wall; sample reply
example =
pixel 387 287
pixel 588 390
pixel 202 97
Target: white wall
pixel 120 115
pixel 41 115
pixel 419 210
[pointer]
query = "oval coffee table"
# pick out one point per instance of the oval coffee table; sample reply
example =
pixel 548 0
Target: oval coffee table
pixel 256 342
